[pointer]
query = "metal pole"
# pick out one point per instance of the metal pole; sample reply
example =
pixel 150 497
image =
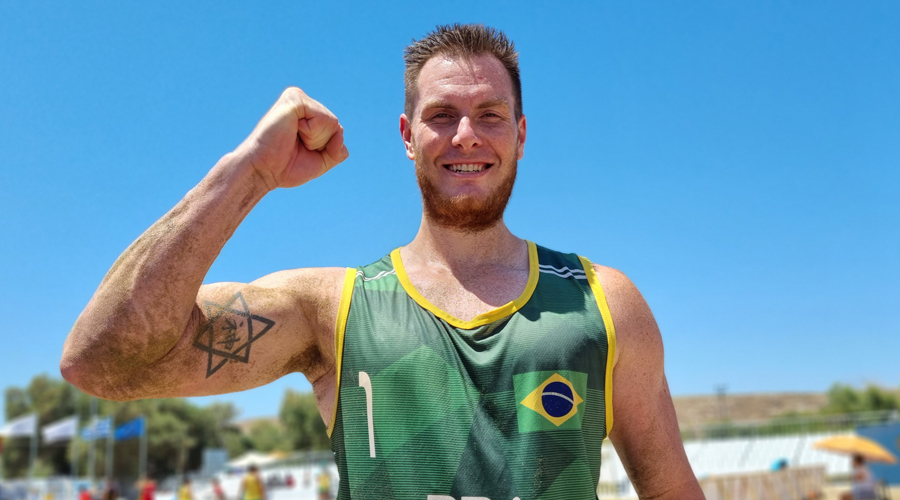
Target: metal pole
pixel 109 448
pixel 92 457
pixel 75 450
pixel 33 454
pixel 142 460
pixel 75 437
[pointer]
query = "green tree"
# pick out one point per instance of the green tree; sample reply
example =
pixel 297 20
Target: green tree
pixel 221 416
pixel 267 436
pixel 177 432
pixel 235 442
pixel 51 399
pixel 845 399
pixel 842 399
pixel 879 398
pixel 303 425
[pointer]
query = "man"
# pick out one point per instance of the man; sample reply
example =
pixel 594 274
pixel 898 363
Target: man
pixel 252 486
pixel 323 482
pixel 862 483
pixel 184 491
pixel 110 490
pixel 217 490
pixel 468 363
pixel 146 487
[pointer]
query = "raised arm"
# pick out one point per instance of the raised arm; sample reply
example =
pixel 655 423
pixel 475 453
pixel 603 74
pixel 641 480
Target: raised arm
pixel 645 431
pixel 151 330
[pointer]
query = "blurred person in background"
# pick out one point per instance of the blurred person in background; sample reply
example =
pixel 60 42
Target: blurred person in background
pixel 184 492
pixel 323 481
pixel 862 482
pixel 218 492
pixel 252 487
pixel 110 491
pixel 779 465
pixel 146 488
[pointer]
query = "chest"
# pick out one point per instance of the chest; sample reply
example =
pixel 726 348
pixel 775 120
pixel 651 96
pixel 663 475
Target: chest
pixel 431 400
pixel 470 294
pixel 553 329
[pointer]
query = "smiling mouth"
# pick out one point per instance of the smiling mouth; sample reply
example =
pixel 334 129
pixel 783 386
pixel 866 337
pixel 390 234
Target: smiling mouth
pixel 462 168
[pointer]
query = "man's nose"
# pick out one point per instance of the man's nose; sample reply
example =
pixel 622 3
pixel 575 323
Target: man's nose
pixel 465 137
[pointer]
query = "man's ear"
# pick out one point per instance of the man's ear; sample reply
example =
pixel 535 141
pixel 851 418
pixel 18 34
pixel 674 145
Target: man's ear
pixel 406 134
pixel 520 147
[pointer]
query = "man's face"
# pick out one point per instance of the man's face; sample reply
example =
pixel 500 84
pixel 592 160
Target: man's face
pixel 465 140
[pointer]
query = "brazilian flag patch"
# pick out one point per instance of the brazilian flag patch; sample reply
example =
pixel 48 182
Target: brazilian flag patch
pixel 550 400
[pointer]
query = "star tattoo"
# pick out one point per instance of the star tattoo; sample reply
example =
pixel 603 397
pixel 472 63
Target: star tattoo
pixel 229 332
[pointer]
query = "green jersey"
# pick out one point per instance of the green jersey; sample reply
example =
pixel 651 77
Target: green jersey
pixel 513 404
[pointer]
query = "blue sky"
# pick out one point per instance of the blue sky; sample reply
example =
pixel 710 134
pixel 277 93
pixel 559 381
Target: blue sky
pixel 739 161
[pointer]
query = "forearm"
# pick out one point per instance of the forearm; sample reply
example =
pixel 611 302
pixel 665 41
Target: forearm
pixel 145 301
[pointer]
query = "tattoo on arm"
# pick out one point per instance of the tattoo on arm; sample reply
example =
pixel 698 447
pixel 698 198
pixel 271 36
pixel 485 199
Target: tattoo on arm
pixel 229 332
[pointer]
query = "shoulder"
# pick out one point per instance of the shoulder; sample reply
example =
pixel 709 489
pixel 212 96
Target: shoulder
pixel 317 287
pixel 315 293
pixel 645 433
pixel 300 280
pixel 637 334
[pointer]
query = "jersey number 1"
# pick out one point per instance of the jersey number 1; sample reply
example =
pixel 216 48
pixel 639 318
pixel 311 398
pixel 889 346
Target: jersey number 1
pixel 366 383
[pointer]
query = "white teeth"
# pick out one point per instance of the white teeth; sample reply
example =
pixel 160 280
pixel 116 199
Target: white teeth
pixel 467 167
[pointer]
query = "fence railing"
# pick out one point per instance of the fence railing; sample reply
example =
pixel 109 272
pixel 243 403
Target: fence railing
pixel 800 424
pixel 788 484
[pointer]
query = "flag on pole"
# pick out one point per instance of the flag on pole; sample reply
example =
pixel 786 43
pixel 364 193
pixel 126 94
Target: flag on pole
pixel 22 426
pixel 97 430
pixel 60 430
pixel 131 429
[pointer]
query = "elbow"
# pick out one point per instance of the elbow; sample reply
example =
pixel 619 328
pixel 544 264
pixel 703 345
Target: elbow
pixel 68 368
pixel 100 389
pixel 75 363
pixel 78 373
pixel 92 379
pixel 111 353
pixel 100 370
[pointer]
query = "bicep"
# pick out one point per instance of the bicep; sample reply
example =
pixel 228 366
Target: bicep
pixel 243 335
pixel 645 431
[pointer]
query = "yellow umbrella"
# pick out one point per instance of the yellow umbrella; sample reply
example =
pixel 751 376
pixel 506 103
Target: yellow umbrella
pixel 856 445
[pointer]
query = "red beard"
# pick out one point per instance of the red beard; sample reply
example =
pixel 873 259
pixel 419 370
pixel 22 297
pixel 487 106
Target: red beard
pixel 463 212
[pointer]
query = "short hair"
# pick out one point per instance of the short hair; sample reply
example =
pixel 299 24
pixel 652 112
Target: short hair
pixel 460 40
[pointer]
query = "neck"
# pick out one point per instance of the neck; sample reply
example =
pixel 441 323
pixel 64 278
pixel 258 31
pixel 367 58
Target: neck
pixel 456 250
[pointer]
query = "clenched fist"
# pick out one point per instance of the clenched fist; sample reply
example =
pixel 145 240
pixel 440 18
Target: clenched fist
pixel 296 141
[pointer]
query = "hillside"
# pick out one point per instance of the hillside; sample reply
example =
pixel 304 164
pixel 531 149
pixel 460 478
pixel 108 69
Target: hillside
pixel 699 410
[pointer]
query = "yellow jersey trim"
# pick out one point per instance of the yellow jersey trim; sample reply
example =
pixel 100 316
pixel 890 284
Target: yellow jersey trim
pixel 339 328
pixel 482 319
pixel 610 336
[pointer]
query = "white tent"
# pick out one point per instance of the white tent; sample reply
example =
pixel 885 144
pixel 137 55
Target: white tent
pixel 251 458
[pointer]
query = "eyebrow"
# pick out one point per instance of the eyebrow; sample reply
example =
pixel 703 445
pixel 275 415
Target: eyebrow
pixel 441 103
pixel 493 103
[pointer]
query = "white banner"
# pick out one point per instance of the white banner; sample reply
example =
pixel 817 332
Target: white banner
pixel 60 430
pixel 22 426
